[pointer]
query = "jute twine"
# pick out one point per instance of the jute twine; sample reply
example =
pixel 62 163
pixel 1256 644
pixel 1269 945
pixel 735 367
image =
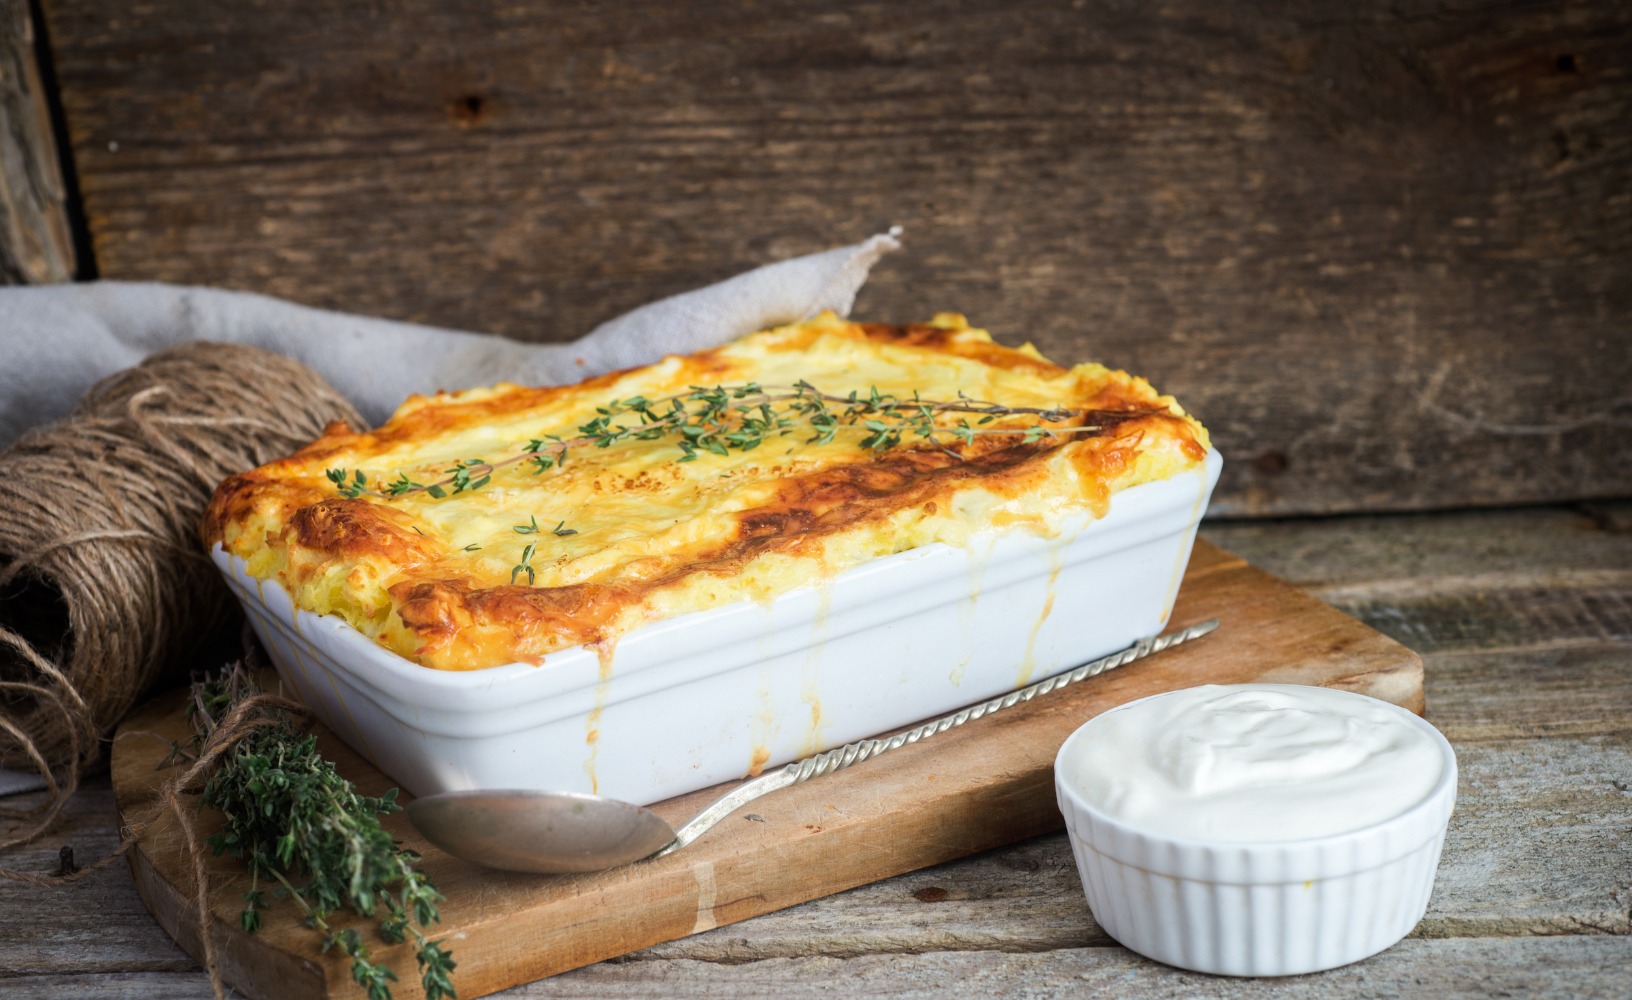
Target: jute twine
pixel 104 587
pixel 252 710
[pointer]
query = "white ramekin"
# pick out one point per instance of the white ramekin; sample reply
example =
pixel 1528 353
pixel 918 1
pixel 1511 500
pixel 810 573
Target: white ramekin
pixel 1258 909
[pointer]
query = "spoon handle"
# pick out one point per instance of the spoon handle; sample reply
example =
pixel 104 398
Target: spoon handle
pixel 840 758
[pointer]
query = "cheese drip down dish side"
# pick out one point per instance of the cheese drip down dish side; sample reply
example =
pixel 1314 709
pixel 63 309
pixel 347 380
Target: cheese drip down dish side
pixel 500 525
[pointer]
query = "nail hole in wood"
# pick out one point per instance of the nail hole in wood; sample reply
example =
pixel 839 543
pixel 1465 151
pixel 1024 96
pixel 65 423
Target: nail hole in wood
pixel 1565 63
pixel 470 109
pixel 1271 463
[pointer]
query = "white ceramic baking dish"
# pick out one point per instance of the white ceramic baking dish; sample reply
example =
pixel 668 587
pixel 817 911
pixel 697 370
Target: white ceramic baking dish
pixel 716 695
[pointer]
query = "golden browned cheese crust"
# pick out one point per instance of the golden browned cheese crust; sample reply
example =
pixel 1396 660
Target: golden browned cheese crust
pixel 532 560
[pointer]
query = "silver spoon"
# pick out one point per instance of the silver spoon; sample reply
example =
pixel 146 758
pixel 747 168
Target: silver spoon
pixel 526 830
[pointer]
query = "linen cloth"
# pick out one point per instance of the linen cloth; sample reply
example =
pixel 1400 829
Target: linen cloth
pixel 56 341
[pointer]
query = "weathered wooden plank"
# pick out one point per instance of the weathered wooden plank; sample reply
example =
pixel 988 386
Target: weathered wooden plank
pixel 1541 968
pixel 1413 554
pixel 1538 842
pixel 96 925
pixel 1502 619
pixel 1570 967
pixel 1574 691
pixel 1462 582
pixel 112 986
pixel 36 243
pixel 1381 251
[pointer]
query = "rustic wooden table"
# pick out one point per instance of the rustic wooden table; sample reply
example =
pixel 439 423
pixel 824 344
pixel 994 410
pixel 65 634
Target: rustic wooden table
pixel 1524 618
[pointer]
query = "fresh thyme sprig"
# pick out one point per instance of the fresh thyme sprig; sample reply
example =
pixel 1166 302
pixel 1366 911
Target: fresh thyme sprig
pixel 525 566
pixel 296 822
pixel 460 477
pixel 532 528
pixel 356 486
pixel 721 419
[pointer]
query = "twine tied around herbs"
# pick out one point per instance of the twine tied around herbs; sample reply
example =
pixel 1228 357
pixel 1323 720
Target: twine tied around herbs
pixel 104 585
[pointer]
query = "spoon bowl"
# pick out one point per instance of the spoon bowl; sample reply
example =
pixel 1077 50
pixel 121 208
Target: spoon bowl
pixel 527 830
pixel 558 833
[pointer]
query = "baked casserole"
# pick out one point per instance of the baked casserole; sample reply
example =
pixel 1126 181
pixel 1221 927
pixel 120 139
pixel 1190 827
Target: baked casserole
pixel 503 524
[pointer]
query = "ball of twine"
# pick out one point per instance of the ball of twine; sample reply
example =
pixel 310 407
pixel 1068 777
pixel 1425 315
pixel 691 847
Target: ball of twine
pixel 104 586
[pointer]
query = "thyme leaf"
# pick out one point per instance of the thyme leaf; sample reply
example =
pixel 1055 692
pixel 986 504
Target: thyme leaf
pixel 525 566
pixel 356 486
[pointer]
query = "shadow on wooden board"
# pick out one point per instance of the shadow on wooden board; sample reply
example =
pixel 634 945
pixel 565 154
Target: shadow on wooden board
pixel 1382 252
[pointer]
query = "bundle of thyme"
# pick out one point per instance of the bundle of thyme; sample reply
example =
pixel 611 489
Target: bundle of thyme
pixel 305 832
pixel 726 418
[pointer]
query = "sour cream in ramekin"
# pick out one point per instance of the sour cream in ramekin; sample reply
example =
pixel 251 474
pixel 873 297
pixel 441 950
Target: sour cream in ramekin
pixel 1259 829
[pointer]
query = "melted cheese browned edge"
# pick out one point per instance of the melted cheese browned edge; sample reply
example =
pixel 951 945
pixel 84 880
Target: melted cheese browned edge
pixel 508 622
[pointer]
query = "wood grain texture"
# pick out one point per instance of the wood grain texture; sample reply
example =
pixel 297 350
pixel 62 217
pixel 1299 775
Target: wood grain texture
pixel 1573 968
pixel 1486 580
pixel 36 245
pixel 1569 692
pixel 96 926
pixel 1380 251
pixel 1405 557
pixel 981 786
pixel 1536 870
pixel 1539 968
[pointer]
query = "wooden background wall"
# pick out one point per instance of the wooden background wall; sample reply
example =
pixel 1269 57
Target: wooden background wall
pixel 1385 252
pixel 36 245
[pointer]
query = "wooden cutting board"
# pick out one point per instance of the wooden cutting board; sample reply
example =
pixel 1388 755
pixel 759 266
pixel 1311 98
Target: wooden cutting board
pixel 967 790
